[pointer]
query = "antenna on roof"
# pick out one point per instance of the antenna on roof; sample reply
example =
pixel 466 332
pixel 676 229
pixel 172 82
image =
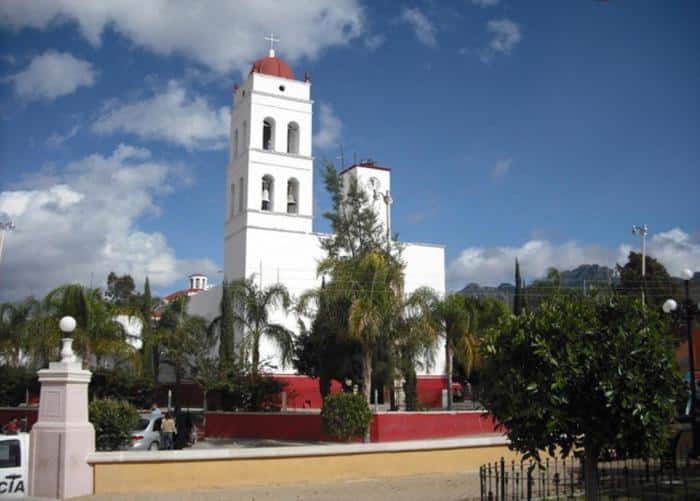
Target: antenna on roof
pixel 341 157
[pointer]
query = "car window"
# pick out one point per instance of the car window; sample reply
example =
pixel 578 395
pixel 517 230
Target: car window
pixel 143 424
pixel 156 425
pixel 10 456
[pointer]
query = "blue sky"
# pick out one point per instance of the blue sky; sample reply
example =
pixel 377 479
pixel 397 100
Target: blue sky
pixel 541 130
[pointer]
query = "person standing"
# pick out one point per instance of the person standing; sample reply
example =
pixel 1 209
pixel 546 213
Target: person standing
pixel 155 410
pixel 169 429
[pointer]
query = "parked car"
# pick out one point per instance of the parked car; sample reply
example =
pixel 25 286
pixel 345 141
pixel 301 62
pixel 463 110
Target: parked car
pixel 14 465
pixel 147 436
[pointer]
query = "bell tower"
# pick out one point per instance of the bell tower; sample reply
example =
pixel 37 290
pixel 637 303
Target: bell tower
pixel 270 169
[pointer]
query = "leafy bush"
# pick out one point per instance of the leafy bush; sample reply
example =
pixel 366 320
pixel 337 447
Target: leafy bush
pixel 345 415
pixel 15 382
pixel 239 391
pixel 114 420
pixel 120 384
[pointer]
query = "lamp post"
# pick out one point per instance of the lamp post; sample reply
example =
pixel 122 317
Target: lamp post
pixel 67 326
pixel 642 230
pixel 690 310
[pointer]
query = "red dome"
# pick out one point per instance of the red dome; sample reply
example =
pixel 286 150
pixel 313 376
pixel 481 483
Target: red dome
pixel 272 66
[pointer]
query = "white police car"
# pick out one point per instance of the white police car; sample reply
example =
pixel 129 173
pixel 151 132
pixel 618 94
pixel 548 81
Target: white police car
pixel 14 465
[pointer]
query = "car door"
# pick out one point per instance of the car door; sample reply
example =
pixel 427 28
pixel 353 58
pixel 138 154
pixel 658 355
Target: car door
pixel 13 471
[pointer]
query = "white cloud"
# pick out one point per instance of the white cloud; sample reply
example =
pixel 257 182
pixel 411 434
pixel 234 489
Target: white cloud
pixel 51 75
pixel 223 36
pixel 169 115
pixel 501 169
pixel 329 129
pixel 422 27
pixel 84 226
pixel 505 35
pixel 486 3
pixel 57 139
pixel 675 249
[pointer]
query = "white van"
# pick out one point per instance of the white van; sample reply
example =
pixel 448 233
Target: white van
pixel 14 466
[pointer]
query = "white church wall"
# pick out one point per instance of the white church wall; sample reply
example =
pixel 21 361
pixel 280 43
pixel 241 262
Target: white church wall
pixel 425 267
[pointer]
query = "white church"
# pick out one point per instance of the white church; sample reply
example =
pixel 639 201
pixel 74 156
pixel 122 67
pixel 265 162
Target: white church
pixel 268 230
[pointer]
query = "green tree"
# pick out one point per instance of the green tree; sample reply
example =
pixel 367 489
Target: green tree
pixel 150 350
pixel 518 299
pixel 576 374
pixel 657 284
pixel 457 317
pixel 224 324
pixel 120 289
pixel 13 320
pixel 251 312
pixel 98 335
pixel 182 337
pixel 415 339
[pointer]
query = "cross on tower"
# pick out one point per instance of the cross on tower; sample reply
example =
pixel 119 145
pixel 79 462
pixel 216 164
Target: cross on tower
pixel 272 41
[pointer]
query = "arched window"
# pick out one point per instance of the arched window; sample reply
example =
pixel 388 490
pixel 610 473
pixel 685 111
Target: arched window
pixel 292 196
pixel 233 200
pixel 293 137
pixel 241 196
pixel 268 138
pixel 235 143
pixel 268 193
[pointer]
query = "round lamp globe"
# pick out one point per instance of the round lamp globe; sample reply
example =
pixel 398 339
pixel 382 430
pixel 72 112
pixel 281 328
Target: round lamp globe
pixel 67 324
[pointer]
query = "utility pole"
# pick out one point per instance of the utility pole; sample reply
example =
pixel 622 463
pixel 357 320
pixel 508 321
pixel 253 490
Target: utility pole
pixel 642 230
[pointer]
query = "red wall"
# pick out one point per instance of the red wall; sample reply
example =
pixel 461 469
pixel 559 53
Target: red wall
pixel 276 426
pixel 385 427
pixel 303 392
pixel 7 413
pixel 392 426
pixel 430 390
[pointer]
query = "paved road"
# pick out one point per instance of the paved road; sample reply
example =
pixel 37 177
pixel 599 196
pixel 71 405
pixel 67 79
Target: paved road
pixel 444 487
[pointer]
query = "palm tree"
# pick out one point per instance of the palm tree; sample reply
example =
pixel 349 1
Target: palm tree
pixel 457 318
pixel 42 334
pixel 13 319
pixel 251 312
pixel 98 334
pixel 416 334
pixel 182 337
pixel 373 284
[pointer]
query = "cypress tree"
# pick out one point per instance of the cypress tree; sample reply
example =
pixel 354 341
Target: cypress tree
pixel 226 326
pixel 518 302
pixel 149 350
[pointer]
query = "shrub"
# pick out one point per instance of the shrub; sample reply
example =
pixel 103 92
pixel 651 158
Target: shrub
pixel 15 382
pixel 114 420
pixel 120 384
pixel 345 415
pixel 239 391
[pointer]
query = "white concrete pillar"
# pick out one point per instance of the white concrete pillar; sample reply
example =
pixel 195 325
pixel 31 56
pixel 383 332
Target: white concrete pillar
pixel 62 437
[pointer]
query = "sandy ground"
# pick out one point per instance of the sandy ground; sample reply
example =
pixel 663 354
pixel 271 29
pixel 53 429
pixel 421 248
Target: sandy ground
pixel 444 487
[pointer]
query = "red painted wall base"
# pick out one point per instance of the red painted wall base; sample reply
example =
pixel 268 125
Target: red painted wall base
pixel 303 391
pixel 385 426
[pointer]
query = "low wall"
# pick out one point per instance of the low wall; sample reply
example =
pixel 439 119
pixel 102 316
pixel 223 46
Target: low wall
pixel 392 426
pixel 429 389
pixel 126 472
pixel 7 413
pixel 385 426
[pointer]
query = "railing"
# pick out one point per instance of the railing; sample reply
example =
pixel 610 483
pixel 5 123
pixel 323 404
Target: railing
pixel 564 479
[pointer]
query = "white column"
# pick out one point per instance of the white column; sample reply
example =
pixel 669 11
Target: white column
pixel 62 437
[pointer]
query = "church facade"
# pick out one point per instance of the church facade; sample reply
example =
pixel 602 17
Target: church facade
pixel 268 230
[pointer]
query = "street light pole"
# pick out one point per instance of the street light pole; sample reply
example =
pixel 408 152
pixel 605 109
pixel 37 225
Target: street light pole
pixel 690 311
pixel 642 230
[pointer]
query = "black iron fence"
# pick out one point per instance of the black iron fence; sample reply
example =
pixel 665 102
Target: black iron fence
pixel 661 479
